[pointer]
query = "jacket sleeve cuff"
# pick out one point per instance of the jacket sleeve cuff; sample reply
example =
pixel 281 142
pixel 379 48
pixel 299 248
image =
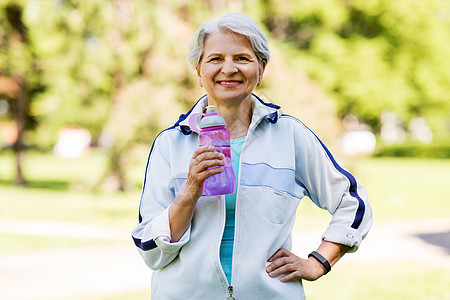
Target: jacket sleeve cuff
pixel 343 235
pixel 161 234
pixel 163 242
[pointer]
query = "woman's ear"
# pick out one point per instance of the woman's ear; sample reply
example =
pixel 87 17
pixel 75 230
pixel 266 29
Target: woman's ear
pixel 199 76
pixel 262 67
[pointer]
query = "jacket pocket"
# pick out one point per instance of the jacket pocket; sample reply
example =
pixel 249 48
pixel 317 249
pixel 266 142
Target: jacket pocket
pixel 275 206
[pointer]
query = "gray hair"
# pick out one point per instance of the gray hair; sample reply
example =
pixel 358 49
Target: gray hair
pixel 234 22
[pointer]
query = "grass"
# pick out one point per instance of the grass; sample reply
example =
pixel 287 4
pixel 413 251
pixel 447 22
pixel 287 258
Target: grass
pixel 399 281
pixel 59 190
pixel 398 189
pixel 407 188
pixel 13 242
pixel 117 210
pixel 47 171
pixel 113 209
pixel 134 295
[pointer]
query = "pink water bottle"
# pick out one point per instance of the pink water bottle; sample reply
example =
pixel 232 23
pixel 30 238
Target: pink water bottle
pixel 213 132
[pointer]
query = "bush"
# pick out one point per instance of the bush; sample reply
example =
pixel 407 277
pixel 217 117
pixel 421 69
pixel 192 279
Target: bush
pixel 415 149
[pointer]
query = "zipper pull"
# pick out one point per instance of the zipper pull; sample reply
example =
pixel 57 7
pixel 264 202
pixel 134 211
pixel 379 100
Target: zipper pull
pixel 230 290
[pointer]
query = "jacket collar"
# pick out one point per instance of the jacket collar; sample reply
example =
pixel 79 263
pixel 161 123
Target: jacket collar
pixel 260 108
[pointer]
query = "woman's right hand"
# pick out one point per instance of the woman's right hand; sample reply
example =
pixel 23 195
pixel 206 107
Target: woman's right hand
pixel 205 163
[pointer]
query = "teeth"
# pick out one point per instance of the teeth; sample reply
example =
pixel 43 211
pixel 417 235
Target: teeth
pixel 229 83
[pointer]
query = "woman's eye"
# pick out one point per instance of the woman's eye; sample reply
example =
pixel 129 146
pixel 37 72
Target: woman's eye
pixel 214 59
pixel 243 58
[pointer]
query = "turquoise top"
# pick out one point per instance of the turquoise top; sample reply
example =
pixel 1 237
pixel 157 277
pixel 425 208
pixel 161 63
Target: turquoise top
pixel 226 247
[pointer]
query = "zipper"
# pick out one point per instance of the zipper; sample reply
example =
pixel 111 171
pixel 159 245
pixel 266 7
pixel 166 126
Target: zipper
pixel 230 291
pixel 230 288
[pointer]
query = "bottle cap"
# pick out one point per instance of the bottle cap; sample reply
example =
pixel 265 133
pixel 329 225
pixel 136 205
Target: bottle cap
pixel 211 118
pixel 210 109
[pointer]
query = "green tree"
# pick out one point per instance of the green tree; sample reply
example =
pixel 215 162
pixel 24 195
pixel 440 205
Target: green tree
pixel 371 56
pixel 115 66
pixel 118 68
pixel 19 74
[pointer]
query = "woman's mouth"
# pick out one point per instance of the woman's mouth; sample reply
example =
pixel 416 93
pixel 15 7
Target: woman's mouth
pixel 229 83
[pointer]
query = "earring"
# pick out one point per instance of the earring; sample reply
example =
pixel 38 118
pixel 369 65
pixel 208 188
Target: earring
pixel 200 84
pixel 259 83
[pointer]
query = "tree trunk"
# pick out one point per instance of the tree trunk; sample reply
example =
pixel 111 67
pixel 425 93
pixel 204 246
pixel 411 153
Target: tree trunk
pixel 14 14
pixel 123 12
pixel 20 119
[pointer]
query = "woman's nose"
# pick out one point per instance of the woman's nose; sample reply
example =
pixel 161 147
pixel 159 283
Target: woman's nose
pixel 229 67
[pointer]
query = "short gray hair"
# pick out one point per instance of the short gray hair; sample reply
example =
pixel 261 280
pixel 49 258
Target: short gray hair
pixel 234 22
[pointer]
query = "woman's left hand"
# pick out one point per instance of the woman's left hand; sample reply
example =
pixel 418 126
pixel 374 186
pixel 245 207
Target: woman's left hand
pixel 286 262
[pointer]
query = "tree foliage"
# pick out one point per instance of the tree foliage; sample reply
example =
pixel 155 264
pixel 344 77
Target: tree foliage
pixel 372 56
pixel 20 74
pixel 118 67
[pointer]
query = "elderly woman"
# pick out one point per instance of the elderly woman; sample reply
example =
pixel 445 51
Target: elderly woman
pixel 237 246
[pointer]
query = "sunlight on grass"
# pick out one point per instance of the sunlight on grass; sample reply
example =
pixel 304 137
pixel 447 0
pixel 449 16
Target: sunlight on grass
pixel 406 188
pixel 397 189
pixel 135 295
pixel 47 171
pixel 131 295
pixel 114 209
pixel 11 242
pixel 401 281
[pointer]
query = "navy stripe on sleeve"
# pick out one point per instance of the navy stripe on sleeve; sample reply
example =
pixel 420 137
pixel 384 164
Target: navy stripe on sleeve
pixel 353 188
pixel 353 184
pixel 149 245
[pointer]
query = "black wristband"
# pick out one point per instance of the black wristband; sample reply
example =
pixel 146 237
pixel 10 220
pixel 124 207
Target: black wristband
pixel 323 261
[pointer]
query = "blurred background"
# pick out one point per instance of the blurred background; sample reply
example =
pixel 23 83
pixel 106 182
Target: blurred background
pixel 85 86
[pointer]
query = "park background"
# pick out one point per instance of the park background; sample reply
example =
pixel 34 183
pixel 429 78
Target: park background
pixel 85 86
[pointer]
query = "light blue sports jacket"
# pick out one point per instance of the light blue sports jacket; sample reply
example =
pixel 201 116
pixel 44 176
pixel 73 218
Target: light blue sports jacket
pixel 281 162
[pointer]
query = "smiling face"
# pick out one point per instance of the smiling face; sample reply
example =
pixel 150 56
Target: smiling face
pixel 229 69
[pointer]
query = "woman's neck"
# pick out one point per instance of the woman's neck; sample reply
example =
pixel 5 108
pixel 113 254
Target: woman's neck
pixel 237 117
